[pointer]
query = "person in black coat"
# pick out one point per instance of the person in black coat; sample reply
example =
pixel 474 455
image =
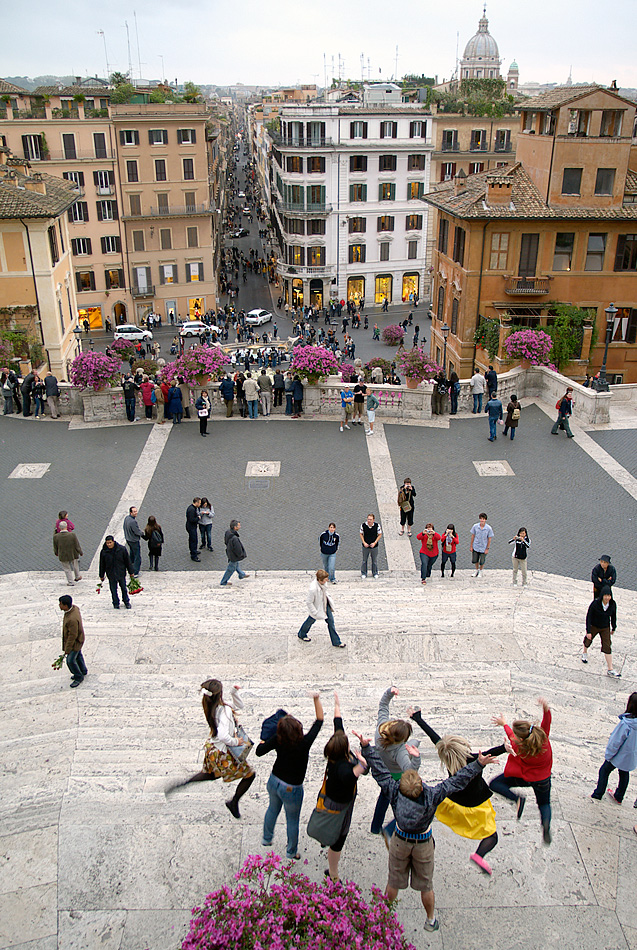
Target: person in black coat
pixel 601 618
pixel 297 396
pixel 26 389
pixel 235 552
pixel 603 575
pixel 192 523
pixel 114 563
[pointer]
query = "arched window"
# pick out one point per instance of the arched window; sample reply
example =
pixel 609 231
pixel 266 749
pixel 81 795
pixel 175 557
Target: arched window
pixel 441 302
pixel 454 315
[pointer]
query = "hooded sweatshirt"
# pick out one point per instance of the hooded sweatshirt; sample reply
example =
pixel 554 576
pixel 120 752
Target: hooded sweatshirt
pixel 621 750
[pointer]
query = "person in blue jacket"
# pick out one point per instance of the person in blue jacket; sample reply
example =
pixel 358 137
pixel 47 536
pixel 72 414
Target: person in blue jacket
pixel 175 403
pixel 329 542
pixel 621 754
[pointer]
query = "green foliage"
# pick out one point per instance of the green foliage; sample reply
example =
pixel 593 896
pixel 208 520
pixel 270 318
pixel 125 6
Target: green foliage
pixel 157 96
pixel 149 367
pixel 192 93
pixel 118 79
pixel 96 113
pixel 79 97
pixel 273 126
pixel 488 336
pixel 25 346
pixel 567 332
pixel 123 93
pixel 412 80
pixel 480 97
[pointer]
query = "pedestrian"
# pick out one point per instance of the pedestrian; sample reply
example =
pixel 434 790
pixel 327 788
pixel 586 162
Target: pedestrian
pixel 192 523
pixel 564 408
pixel 521 543
pixel 439 393
pixel 529 765
pixel 360 391
pixel 481 535
pixel 68 551
pixel 279 388
pixel 411 849
pixel 155 538
pixel 391 740
pixel 206 514
pixel 63 516
pixel 133 535
pixel 494 410
pixel 477 391
pixel 347 405
pixel 416 336
pixel 297 396
pixel 370 533
pixel 114 563
pixel 602 575
pixel 52 392
pixel 372 406
pixel 265 390
pixel 38 390
pixel 454 392
pixel 202 405
pixel 130 388
pixel 226 388
pixel 376 333
pixel 235 552
pixel 320 607
pixel 160 400
pixel 175 403
pixel 285 784
pixel 148 396
pixel 448 546
pixel 512 417
pixel 26 389
pixel 601 618
pixel 329 542
pixel 73 640
pixel 251 391
pixel 428 550
pixel 491 380
pixel 406 504
pixel 223 755
pixel 621 754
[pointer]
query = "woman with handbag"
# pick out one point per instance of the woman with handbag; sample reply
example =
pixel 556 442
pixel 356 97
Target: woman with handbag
pixel 219 760
pixel 513 416
pixel 428 550
pixel 406 497
pixel 285 785
pixel 202 405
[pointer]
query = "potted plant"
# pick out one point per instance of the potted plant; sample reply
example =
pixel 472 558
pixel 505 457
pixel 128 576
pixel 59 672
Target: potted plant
pixel 416 366
pixel 385 365
pixel 488 336
pixel 149 367
pixel 347 372
pixel 94 370
pixel 313 363
pixel 123 348
pixel 197 365
pixel 531 347
pixel 393 335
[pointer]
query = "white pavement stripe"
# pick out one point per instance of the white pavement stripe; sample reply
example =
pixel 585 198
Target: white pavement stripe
pixel 399 554
pixel 137 486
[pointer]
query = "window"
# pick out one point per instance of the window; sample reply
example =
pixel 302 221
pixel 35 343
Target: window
pixel 111 244
pixel 167 273
pixel 458 245
pixel 160 169
pixel 135 202
pixel 358 192
pixel 441 303
pixel 475 167
pixel 316 133
pixel 595 250
pixel 356 254
pixel 503 140
pixel 162 203
pixel 416 163
pixel 571 181
pixel 78 211
pixel 528 122
pixel 142 277
pixel 138 241
pixel 316 165
pixel 193 237
pixel 528 255
pixel 84 280
pixel 385 223
pixel 383 288
pixel 32 147
pixel 450 140
pixel 357 225
pixel 296 255
pixel 81 247
pixel 294 164
pixel 415 189
pixel 443 235
pixel 478 140
pixel 626 256
pixel 563 256
pixel 548 123
pixel 114 279
pixel 158 137
pixel 358 130
pixel 190 198
pixel 579 122
pixel 417 130
pixel 316 226
pixel 386 163
pixel 107 211
pixel 383 249
pixel 104 182
pixel 358 163
pixel 315 197
pixel 131 171
pixel 611 123
pixel 413 222
pixel 99 144
pixel 68 145
pixel 77 177
pixel 387 191
pixel 605 181
pixel 447 171
pixel 412 250
pixel 455 306
pixel 294 225
pixel 625 329
pixel 389 130
pixel 194 271
pixel 316 256
pixel 53 246
pixel 186 136
pixel 189 169
pixel 499 251
pixel 129 137
pixel 165 239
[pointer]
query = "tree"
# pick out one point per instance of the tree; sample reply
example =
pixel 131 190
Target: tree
pixel 118 79
pixel 192 93
pixel 123 93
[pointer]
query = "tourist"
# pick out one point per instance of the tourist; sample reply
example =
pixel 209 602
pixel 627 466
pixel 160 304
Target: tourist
pixel 7 392
pixel 477 391
pixel 406 503
pixel 278 385
pixel 621 754
pixel 601 618
pixel 148 396
pixel 494 411
pixel 155 538
pixel 372 406
pixel 26 388
pixel 564 408
pixel 529 765
pixel 175 403
pixel 481 535
pixel 428 550
pixel 285 785
pixel 347 405
pixel 454 391
pixel 235 553
pixel 448 546
pixel 73 640
pixel 264 383
pixel 360 391
pixel 320 607
pixel 251 392
pixel 289 394
pixel 52 391
pixel 297 396
pixel 512 417
pixel 133 535
pixel 202 405
pixel 130 388
pixel 68 551
pixel 391 741
pixel 192 524
pixel 602 575
pixel 491 380
pixel 226 388
pixel 522 544
pixel 114 563
pixel 39 395
pixel 63 516
pixel 370 533
pixel 160 400
pixel 329 542
pixel 206 514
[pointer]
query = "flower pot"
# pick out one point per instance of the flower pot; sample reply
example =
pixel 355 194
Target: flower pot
pixel 412 383
pixel 202 379
pixel 525 364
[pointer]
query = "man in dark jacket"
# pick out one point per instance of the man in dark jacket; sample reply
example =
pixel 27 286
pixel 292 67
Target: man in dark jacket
pixel 114 563
pixel 491 379
pixel 73 640
pixel 564 411
pixel 603 575
pixel 26 388
pixel 52 392
pixel 601 618
pixel 226 388
pixel 279 387
pixel 235 552
pixel 130 388
pixel 192 523
pixel 133 536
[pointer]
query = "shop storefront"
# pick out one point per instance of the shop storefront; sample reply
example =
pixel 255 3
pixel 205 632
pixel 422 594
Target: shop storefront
pixel 119 313
pixel 93 315
pixel 316 293
pixel 356 289
pixel 411 285
pixel 383 288
pixel 196 307
pixel 297 292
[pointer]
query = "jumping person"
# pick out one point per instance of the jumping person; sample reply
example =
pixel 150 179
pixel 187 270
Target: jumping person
pixel 391 741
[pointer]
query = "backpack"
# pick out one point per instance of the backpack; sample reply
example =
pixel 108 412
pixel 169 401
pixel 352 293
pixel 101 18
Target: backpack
pixel 153 397
pixel 515 415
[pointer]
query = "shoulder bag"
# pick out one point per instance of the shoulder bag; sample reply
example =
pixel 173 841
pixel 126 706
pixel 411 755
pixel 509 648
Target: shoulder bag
pixel 325 825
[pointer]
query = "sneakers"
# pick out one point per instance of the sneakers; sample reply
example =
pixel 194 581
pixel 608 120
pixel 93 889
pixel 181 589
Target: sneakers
pixel 477 574
pixel 368 432
pixel 306 639
pixel 613 673
pixel 521 804
pixel 482 864
pixel 346 426
pixel 128 605
pixel 584 658
pixel 611 795
pixel 340 646
pixel 363 577
pixel 431 925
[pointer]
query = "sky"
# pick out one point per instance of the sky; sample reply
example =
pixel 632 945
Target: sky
pixel 283 42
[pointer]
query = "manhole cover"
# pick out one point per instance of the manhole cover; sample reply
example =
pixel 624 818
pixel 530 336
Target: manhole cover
pixel 493 468
pixel 263 469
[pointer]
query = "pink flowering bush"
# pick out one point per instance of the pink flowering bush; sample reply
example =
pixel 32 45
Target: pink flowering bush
pixel 123 348
pixel 313 362
pixel 347 371
pixel 195 362
pixel 273 907
pixel 416 364
pixel 95 370
pixel 393 335
pixel 531 345
pixel 7 354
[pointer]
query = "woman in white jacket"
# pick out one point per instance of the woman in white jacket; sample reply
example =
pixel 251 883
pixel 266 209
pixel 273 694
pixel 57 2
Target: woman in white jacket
pixel 320 607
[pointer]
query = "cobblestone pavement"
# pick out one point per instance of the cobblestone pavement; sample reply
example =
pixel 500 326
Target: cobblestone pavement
pixel 622 445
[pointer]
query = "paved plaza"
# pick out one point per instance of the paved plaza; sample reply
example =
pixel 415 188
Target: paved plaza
pixel 94 855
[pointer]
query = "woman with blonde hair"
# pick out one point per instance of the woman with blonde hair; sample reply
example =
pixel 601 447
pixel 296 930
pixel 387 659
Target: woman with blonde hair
pixel 468 813
pixel 391 740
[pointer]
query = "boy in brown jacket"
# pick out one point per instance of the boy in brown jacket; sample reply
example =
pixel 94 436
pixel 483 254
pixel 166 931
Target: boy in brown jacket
pixel 73 640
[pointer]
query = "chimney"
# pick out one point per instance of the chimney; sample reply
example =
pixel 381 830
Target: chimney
pixel 460 182
pixel 35 182
pixel 78 80
pixel 499 188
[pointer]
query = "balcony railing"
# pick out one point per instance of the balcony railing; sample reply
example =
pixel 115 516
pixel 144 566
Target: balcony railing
pixel 527 285
pixel 298 207
pixel 59 156
pixel 296 270
pixel 292 141
pixel 506 147
pixel 147 291
pixel 177 210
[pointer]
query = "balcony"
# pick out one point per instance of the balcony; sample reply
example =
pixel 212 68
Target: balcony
pixel 175 211
pixel 506 147
pixel 293 142
pixel 80 155
pixel 296 270
pixel 523 286
pixel 298 207
pixel 147 291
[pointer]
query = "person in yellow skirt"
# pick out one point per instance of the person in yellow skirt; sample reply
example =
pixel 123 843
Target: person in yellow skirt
pixel 469 813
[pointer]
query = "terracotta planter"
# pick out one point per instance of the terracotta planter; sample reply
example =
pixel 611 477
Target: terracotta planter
pixel 525 364
pixel 411 383
pixel 202 379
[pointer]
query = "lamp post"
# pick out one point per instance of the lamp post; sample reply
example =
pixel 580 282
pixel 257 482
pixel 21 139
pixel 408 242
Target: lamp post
pixel 445 330
pixel 602 382
pixel 77 333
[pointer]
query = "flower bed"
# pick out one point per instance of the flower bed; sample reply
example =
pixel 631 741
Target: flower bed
pixel 531 345
pixel 393 335
pixel 313 363
pixel 94 370
pixel 195 363
pixel 416 364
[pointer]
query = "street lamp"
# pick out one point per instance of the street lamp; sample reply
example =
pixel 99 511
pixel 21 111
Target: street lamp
pixel 445 330
pixel 77 333
pixel 602 382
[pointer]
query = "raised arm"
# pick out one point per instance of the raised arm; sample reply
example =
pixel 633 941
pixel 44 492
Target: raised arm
pixel 318 707
pixel 416 715
pixel 383 706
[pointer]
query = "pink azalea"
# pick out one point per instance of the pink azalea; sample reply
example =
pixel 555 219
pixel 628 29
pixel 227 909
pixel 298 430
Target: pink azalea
pixel 94 370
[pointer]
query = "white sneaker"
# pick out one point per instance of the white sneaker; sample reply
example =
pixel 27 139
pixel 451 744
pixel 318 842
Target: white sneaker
pixel 613 673
pixel 477 574
pixel 346 426
pixel 368 432
pixel 363 577
pixel 341 428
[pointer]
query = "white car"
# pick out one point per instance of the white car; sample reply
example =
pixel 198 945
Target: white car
pixel 257 317
pixel 241 194
pixel 193 328
pixel 129 331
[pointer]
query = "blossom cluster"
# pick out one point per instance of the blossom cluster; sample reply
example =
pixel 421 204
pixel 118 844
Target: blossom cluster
pixel 393 335
pixel 123 348
pixel 94 370
pixel 275 907
pixel 532 345
pixel 347 372
pixel 416 364
pixel 313 362
pixel 197 361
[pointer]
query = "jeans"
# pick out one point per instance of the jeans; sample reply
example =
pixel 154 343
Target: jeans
pixel 203 425
pixel 382 804
pixel 506 429
pixel 253 408
pixel 426 564
pixel 307 624
pixel 205 532
pixel 290 797
pixel 453 395
pixel 192 539
pixel 502 785
pixel 114 583
pixel 72 570
pixel 278 397
pixel 130 409
pixel 366 554
pixel 329 560
pixel 135 555
pixel 448 556
pixel 493 431
pixel 39 406
pixel 477 402
pixel 8 404
pixel 288 404
pixel 562 420
pixel 602 781
pixel 148 411
pixel 77 666
pixel 53 406
pixel 231 568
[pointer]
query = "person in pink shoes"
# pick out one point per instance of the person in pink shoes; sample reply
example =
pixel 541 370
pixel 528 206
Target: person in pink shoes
pixel 621 754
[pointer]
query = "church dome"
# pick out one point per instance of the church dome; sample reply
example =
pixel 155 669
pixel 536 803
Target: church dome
pixel 482 46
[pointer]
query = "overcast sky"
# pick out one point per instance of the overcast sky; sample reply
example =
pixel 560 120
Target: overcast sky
pixel 284 41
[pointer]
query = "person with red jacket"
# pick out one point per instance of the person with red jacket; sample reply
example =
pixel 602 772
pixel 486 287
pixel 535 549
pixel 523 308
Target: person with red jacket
pixel 528 765
pixel 164 389
pixel 148 392
pixel 428 551
pixel 449 544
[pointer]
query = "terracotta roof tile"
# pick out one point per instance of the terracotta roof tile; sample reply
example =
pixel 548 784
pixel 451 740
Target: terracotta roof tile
pixel 6 87
pixel 562 95
pixel 20 202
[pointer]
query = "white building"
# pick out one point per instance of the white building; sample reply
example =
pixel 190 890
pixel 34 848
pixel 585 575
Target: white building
pixel 347 179
pixel 481 59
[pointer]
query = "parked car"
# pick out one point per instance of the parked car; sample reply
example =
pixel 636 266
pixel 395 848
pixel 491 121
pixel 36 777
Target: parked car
pixel 240 232
pixel 129 331
pixel 241 194
pixel 192 328
pixel 257 317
